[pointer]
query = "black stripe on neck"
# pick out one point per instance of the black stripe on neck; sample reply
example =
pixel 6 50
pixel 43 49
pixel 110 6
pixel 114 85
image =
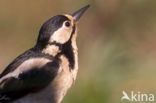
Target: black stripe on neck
pixel 56 44
pixel 66 50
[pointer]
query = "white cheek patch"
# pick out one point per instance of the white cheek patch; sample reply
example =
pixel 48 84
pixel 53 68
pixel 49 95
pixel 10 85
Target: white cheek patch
pixel 62 35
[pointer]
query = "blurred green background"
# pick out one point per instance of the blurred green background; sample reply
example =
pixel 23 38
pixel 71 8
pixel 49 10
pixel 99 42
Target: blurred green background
pixel 116 41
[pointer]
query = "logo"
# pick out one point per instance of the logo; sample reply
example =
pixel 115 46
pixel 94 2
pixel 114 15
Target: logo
pixel 137 97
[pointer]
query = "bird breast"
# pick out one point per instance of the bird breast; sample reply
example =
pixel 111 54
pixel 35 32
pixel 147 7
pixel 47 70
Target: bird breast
pixel 65 78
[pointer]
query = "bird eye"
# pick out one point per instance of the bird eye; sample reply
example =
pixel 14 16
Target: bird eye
pixel 67 24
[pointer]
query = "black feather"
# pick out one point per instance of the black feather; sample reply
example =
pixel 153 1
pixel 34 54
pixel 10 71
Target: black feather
pixel 27 82
pixel 31 53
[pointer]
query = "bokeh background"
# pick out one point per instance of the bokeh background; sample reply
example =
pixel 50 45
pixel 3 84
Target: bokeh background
pixel 117 43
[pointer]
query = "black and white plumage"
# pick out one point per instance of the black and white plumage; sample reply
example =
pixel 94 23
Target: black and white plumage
pixel 44 73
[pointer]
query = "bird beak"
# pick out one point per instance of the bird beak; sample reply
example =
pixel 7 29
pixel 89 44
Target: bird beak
pixel 77 15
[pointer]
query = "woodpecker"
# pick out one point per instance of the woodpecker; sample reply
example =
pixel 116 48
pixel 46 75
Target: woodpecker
pixel 44 73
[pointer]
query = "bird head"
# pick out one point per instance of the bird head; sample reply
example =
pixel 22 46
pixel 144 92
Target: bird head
pixel 60 29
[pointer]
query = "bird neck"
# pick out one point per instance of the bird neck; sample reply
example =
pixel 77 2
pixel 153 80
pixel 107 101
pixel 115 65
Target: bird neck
pixel 55 48
pixel 51 50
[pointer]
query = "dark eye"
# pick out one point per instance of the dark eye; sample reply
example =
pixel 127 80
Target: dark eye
pixel 67 24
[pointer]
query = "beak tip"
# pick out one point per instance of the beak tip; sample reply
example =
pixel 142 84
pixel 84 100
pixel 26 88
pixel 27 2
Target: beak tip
pixel 80 12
